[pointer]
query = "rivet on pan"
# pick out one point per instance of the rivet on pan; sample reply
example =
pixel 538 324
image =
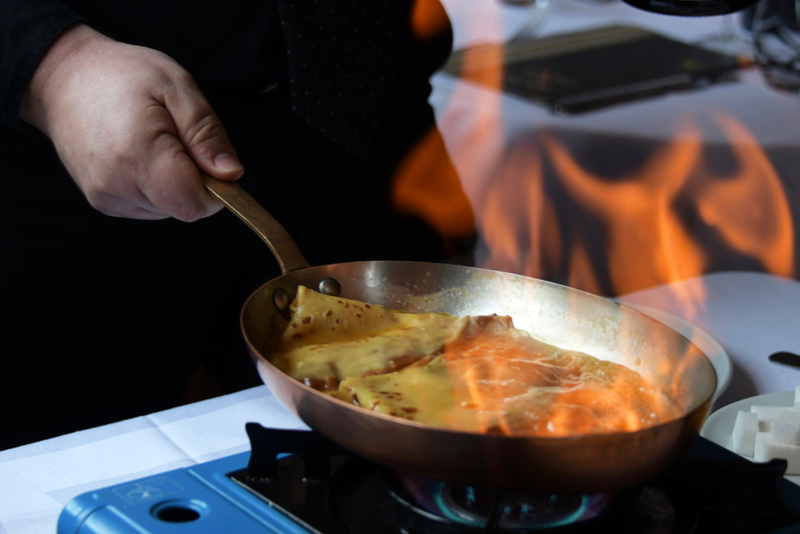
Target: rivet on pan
pixel 330 286
pixel 281 298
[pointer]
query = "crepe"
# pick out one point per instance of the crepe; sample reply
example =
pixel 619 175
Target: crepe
pixel 328 339
pixel 475 374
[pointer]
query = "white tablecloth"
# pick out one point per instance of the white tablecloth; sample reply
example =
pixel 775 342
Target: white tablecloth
pixel 750 315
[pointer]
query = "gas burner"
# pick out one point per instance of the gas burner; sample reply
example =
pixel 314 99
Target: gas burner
pixel 492 510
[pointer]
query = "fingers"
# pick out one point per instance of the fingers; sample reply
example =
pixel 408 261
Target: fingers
pixel 186 198
pixel 147 174
pixel 197 141
pixel 201 132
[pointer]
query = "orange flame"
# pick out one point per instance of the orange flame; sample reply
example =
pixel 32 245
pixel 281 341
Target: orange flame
pixel 539 212
pixel 517 385
pixel 426 184
pixel 428 19
pixel 645 219
pixel 671 219
pixel 647 244
pixel 750 209
pixel 519 212
pixel 649 240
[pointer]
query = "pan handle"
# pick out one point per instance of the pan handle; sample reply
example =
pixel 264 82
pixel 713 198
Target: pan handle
pixel 259 220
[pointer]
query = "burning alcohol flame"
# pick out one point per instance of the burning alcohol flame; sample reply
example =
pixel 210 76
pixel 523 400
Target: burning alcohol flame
pixel 649 238
pixel 749 208
pixel 538 211
pixel 671 219
pixel 517 385
pixel 647 244
pixel 428 19
pixel 426 184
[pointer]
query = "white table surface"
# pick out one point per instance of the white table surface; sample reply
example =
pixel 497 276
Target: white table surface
pixel 751 315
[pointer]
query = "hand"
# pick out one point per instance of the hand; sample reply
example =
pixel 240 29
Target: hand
pixel 131 127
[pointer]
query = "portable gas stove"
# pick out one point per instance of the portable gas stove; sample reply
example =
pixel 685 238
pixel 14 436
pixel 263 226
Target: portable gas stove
pixel 298 482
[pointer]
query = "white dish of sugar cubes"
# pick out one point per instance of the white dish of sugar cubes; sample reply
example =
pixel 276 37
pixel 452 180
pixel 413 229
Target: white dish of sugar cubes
pixel 760 428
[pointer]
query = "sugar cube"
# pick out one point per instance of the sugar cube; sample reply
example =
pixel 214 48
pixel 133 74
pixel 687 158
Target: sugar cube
pixel 765 415
pixel 743 437
pixel 766 449
pixel 786 427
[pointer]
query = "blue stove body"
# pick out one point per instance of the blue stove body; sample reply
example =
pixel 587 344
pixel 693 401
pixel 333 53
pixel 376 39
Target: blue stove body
pixel 196 499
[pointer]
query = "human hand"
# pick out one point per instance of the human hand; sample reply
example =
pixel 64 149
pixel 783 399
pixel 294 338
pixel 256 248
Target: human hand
pixel 131 127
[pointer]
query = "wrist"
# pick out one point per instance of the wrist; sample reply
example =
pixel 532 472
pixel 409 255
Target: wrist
pixel 47 78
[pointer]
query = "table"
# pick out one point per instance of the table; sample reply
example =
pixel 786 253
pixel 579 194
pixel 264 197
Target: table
pixel 750 314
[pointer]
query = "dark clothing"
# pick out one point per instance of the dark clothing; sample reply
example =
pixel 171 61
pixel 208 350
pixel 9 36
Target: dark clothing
pixel 103 318
pixel 27 27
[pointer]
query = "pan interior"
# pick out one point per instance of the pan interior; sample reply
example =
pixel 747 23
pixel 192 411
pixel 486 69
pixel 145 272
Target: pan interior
pixel 556 314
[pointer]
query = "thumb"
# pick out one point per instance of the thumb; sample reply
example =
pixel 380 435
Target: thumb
pixel 203 136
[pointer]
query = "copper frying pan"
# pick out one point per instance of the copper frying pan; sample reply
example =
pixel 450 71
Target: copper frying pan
pixel 557 314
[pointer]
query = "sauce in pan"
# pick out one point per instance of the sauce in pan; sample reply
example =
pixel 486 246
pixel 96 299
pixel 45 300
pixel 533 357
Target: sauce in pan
pixel 475 374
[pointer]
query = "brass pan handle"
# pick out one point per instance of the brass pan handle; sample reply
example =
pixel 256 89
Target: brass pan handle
pixel 259 220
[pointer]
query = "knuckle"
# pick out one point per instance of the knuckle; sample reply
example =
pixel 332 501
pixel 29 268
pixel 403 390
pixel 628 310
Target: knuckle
pixel 190 212
pixel 205 129
pixel 171 72
pixel 102 202
pixel 182 76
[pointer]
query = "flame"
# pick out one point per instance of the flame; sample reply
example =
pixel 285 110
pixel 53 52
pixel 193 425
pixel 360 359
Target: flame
pixel 428 19
pixel 581 274
pixel 647 244
pixel 511 202
pixel 750 209
pixel 670 219
pixel 426 184
pixel 516 385
pixel 649 240
pixel 538 211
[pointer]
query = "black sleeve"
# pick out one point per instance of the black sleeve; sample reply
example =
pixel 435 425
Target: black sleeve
pixel 27 27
